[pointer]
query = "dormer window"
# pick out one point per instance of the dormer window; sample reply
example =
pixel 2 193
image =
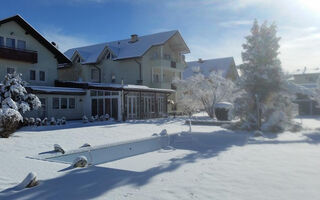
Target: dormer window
pixel 108 55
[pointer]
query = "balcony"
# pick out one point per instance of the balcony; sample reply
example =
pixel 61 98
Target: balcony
pixel 22 55
pixel 167 64
pixel 163 85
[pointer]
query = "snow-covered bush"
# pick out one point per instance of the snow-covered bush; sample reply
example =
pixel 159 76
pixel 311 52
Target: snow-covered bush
pixel 9 121
pixel 38 122
pixel 266 99
pixel 25 121
pixel 102 118
pixel 91 119
pixel 107 117
pixel 53 121
pixel 63 121
pixel 85 119
pixel 32 121
pixel 14 100
pixel 45 122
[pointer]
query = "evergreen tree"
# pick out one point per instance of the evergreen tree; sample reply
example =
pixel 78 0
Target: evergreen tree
pixel 263 81
pixel 14 100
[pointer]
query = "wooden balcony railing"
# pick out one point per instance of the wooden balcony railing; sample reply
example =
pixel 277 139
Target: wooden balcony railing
pixel 22 55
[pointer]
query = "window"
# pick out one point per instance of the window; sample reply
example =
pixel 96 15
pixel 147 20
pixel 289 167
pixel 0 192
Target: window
pixel 109 56
pixel 100 93
pixel 10 70
pixel 32 75
pixel 94 74
pixel 64 103
pixel 1 41
pixel 55 103
pixel 78 59
pixel 72 103
pixel 10 42
pixel 93 93
pixel 156 78
pixel 42 76
pixel 21 44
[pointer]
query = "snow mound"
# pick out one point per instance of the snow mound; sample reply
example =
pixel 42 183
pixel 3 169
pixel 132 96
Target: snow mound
pixel 80 161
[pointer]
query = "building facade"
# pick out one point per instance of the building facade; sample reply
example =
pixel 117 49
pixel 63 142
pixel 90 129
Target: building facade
pixel 127 79
pixel 306 77
pixel 141 68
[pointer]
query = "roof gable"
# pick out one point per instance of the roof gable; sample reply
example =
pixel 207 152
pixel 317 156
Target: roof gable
pixel 219 65
pixel 34 33
pixel 124 49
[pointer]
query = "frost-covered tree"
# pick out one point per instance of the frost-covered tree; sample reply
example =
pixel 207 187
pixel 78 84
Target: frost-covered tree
pixel 203 92
pixel 266 100
pixel 14 100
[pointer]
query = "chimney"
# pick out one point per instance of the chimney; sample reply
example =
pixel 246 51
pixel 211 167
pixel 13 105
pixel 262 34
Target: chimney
pixel 200 60
pixel 134 38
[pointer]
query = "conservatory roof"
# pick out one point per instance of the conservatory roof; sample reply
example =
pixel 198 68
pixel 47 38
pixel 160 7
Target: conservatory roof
pixel 111 86
pixel 56 90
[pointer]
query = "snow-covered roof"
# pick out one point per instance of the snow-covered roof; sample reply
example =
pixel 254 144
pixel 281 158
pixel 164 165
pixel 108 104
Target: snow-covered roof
pixel 123 49
pixel 219 65
pixel 56 90
pixel 128 87
pixel 306 70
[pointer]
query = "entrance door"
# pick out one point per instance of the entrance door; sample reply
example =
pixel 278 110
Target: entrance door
pixel 132 105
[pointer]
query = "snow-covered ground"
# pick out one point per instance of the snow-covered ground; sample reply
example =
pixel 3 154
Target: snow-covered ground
pixel 211 163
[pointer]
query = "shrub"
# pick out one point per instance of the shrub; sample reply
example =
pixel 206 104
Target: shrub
pixel 45 122
pixel 53 121
pixel 63 121
pixel 85 119
pixel 31 121
pixel 38 121
pixel 10 120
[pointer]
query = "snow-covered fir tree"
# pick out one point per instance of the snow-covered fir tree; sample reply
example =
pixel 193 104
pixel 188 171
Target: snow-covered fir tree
pixel 200 92
pixel 266 102
pixel 14 100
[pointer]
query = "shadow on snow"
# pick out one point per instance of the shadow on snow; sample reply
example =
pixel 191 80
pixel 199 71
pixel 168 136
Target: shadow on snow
pixel 94 181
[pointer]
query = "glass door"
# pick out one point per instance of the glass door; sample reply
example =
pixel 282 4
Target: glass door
pixel 132 105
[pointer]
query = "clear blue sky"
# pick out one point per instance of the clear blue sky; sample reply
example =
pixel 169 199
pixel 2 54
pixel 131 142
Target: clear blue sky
pixel 211 28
